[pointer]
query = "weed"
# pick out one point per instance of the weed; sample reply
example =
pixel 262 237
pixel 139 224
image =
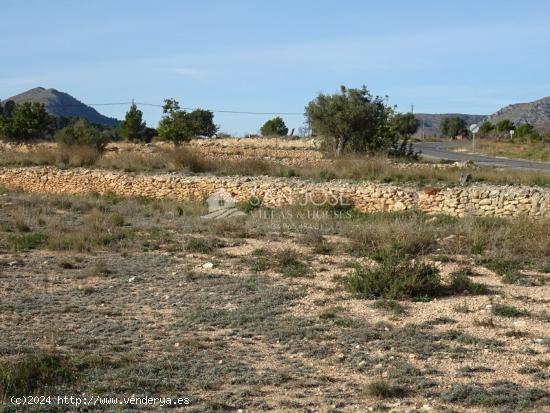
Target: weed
pixel 26 241
pixel 290 263
pixel 117 219
pixel 34 372
pixel 101 269
pixel 326 175
pixel 503 310
pixel 384 389
pixel 202 245
pixel 390 306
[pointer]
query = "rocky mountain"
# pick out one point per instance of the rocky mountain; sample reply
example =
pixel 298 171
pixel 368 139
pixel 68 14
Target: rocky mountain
pixel 429 123
pixel 536 113
pixel 62 104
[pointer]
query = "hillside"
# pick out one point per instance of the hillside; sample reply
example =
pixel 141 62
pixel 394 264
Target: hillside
pixel 430 122
pixel 536 113
pixel 62 104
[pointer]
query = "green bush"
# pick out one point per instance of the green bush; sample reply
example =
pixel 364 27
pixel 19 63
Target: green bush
pixel 397 277
pixel 454 126
pixel 82 133
pixel 25 121
pixel 460 283
pixel 26 241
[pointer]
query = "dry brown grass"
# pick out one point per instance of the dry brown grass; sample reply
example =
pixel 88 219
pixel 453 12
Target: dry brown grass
pixel 185 159
pixel 535 151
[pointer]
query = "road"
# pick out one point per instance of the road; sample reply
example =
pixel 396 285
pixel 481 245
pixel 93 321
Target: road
pixel 444 150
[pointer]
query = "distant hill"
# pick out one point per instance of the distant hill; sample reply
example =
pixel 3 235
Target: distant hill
pixel 430 123
pixel 62 104
pixel 536 113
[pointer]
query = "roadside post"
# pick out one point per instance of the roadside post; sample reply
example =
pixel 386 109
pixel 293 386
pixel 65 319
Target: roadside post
pixel 474 128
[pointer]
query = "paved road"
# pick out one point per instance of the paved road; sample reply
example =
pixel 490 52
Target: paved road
pixel 444 150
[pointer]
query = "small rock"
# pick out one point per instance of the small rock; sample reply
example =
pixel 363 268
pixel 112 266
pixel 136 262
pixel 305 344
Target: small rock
pixel 208 265
pixel 131 279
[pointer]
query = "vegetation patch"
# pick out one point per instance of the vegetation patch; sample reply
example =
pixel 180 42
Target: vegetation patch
pixel 504 310
pixel 290 264
pixel 497 394
pixel 384 389
pixel 390 306
pixel 397 277
pixel 31 373
pixel 462 284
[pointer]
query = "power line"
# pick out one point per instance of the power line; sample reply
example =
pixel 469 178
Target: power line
pixel 238 112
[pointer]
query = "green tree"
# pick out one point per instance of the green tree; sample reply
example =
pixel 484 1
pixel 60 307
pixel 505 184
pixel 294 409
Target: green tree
pixel 176 125
pixel 83 133
pixel 527 131
pixel 204 119
pixel 454 126
pixel 504 125
pixel 132 128
pixel 352 119
pixel 275 126
pixel 25 122
pixel 405 124
pixel 8 107
pixel 486 128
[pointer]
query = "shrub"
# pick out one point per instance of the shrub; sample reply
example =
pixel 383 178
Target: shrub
pixel 202 245
pixel 26 241
pixel 460 283
pixel 33 373
pixel 504 310
pixel 396 277
pixel 84 134
pixel 290 264
pixel 383 389
pixel 184 157
pixel 76 155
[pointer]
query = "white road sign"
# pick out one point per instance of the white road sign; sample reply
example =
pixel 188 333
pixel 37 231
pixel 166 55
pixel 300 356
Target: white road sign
pixel 474 128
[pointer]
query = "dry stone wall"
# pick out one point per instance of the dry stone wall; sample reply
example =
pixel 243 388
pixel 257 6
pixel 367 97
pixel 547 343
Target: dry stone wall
pixel 483 200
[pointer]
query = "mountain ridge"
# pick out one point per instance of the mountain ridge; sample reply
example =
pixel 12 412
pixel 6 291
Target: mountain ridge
pixel 59 103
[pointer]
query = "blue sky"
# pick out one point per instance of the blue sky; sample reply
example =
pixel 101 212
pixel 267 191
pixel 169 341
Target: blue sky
pixel 441 56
